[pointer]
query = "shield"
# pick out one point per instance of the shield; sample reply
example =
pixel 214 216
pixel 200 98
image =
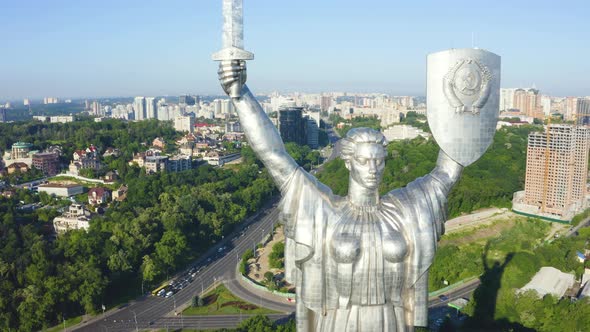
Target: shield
pixel 463 96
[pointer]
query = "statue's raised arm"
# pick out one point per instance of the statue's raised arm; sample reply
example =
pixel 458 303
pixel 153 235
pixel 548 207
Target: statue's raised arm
pixel 260 132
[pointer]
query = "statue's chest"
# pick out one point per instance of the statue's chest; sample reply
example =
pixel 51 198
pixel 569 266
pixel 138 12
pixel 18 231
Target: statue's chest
pixel 366 236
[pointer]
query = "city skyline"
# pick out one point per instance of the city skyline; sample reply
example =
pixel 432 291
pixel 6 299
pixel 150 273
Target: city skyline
pixel 70 49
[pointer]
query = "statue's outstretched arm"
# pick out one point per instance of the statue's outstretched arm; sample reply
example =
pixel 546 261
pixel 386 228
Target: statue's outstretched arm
pixel 260 132
pixel 447 171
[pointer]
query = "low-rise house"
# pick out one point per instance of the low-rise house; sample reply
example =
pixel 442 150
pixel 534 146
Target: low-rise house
pixel 77 217
pixel 111 176
pixel 217 158
pixel 159 142
pixel 111 152
pixel 121 193
pixel 20 167
pixel 98 196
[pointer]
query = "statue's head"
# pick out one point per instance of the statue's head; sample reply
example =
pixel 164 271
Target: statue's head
pixel 363 152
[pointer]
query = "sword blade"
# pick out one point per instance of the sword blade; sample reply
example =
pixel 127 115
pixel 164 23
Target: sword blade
pixel 233 24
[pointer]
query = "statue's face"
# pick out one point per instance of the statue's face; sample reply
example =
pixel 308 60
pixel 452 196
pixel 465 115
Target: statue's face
pixel 366 166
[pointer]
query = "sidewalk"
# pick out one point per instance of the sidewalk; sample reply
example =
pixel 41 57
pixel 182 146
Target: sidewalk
pixel 479 217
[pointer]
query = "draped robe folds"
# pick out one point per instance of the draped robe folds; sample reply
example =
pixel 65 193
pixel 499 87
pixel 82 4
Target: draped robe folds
pixel 309 208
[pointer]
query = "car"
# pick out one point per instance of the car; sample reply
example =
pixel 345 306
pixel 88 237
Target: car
pixel 443 298
pixel 170 293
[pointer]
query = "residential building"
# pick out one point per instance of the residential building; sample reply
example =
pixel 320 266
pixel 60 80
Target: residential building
pixel 159 142
pixel 47 162
pixel 155 164
pixel 2 114
pixel 557 169
pixel 402 132
pixel 583 117
pixel 77 217
pixel 50 100
pixel 216 158
pixel 120 194
pixel 20 150
pixel 179 163
pixel 98 196
pixel 151 109
pixel 184 124
pixel 528 102
pixel 139 108
pixel 17 167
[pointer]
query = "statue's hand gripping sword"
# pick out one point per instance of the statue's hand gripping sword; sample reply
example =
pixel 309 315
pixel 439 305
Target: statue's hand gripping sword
pixel 233 39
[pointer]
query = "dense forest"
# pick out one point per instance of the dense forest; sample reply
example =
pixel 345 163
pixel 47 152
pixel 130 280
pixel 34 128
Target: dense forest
pixel 491 181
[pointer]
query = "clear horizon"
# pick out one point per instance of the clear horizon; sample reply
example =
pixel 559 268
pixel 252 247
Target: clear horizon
pixel 75 49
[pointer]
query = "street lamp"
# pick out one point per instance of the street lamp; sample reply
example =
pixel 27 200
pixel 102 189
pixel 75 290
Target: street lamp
pixel 135 316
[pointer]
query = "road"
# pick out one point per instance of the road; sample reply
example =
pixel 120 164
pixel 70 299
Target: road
pixel 152 311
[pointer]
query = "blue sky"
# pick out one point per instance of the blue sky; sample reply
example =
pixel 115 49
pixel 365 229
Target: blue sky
pixel 123 48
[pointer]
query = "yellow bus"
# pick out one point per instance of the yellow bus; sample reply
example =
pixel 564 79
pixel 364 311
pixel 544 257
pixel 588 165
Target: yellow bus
pixel 157 290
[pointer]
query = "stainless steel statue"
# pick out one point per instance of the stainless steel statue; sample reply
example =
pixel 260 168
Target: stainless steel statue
pixel 360 263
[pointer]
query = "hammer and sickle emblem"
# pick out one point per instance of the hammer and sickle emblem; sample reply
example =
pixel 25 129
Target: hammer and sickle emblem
pixel 466 80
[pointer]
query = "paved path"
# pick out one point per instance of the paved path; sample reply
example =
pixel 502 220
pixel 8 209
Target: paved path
pixel 476 218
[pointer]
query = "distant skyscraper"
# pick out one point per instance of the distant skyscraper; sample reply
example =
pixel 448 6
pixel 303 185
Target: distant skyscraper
pixel 26 102
pixel 227 107
pixel 506 99
pixel 556 178
pixel 528 102
pixel 187 100
pixel 2 114
pixel 50 100
pixel 151 109
pixel 96 108
pixel 584 111
pixel 312 132
pixel 139 108
pixel 292 127
pixel 571 108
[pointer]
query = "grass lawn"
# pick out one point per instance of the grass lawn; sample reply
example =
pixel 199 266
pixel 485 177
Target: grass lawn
pixel 69 322
pixel 221 301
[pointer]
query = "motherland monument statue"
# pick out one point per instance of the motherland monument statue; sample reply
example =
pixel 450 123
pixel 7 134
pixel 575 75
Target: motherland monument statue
pixel 360 262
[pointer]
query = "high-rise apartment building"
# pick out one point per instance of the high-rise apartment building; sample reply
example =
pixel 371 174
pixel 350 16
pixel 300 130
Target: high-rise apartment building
pixel 570 108
pixel 506 99
pixel 139 108
pixel 184 124
pixel 2 114
pixel 557 169
pixel 583 117
pixel 151 109
pixel 528 102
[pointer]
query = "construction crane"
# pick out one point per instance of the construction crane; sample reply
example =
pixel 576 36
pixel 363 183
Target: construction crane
pixel 547 157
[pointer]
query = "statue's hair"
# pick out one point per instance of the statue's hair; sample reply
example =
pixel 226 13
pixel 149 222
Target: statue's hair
pixel 360 135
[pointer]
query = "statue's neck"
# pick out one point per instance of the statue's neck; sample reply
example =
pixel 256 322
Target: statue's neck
pixel 361 196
